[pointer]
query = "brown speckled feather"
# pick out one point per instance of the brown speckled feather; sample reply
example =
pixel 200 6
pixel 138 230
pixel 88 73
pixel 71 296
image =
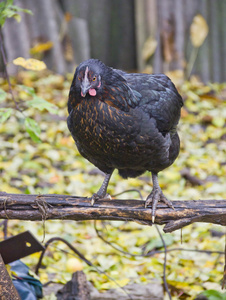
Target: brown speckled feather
pixel 117 129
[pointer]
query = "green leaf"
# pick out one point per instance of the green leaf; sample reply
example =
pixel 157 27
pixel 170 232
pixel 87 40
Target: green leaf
pixel 33 129
pixel 218 121
pixel 5 113
pixel 17 17
pixel 8 10
pixel 156 243
pixel 27 89
pixel 214 295
pixel 27 11
pixel 2 6
pixel 8 13
pixel 17 8
pixel 9 2
pixel 42 104
pixel 3 95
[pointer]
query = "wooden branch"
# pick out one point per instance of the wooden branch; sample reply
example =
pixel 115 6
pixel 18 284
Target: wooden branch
pixel 65 207
pixel 7 289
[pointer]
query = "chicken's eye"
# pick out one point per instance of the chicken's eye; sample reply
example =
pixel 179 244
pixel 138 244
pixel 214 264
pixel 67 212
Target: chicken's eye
pixel 79 78
pixel 94 78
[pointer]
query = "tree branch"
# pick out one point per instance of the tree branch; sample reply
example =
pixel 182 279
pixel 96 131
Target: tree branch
pixel 65 207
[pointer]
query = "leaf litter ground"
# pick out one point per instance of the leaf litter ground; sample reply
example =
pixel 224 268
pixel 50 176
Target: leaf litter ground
pixel 55 166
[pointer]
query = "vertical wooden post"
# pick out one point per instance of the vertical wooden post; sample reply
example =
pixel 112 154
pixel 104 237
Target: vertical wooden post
pixel 76 288
pixel 7 289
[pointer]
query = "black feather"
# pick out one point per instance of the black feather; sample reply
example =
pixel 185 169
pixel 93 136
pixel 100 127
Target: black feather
pixel 130 124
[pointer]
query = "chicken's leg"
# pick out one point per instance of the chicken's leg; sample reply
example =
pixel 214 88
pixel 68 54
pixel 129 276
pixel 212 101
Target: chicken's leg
pixel 155 196
pixel 102 193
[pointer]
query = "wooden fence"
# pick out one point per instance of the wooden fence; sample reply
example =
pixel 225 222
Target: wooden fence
pixel 115 31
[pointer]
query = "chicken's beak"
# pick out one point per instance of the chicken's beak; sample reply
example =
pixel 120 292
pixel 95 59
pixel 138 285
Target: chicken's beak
pixel 85 86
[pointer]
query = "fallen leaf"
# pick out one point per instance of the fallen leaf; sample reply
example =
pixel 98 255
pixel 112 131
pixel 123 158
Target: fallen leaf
pixel 198 30
pixel 149 48
pixel 30 63
pixel 41 47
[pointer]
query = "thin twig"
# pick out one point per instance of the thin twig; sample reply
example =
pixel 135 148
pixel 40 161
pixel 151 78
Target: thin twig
pixel 124 252
pixel 89 263
pixel 165 262
pixel 43 209
pixel 191 62
pixel 151 253
pixel 129 191
pixel 110 244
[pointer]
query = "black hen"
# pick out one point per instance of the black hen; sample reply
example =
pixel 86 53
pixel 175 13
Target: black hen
pixel 126 122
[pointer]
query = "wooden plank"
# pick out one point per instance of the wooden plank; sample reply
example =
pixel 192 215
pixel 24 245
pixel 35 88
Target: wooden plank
pixel 141 31
pixel 222 30
pixel 179 34
pixel 204 51
pixel 214 40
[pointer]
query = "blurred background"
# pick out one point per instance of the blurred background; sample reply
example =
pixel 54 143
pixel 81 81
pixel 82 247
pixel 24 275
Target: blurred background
pixel 185 39
pixel 147 35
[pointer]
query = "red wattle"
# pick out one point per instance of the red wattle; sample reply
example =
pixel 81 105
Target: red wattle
pixel 92 92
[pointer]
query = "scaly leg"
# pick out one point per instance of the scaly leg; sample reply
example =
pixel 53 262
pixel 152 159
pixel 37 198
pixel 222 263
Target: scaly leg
pixel 102 193
pixel 155 196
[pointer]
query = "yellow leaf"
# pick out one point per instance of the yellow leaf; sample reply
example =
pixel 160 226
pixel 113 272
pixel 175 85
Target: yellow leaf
pixel 8 268
pixel 123 282
pixel 68 17
pixel 73 264
pixel 30 64
pixel 9 189
pixel 111 284
pixel 41 47
pixel 149 48
pixel 198 31
pixel 177 77
pixel 179 284
pixel 218 121
pixel 19 61
pixel 17 17
pixel 43 277
pixel 148 69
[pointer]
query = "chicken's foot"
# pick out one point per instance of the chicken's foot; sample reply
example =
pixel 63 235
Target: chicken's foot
pixel 102 193
pixel 155 196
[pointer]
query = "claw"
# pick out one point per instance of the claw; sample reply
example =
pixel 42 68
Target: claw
pixel 154 198
pixel 97 197
pixel 92 201
pixel 94 198
pixel 107 197
pixel 166 201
